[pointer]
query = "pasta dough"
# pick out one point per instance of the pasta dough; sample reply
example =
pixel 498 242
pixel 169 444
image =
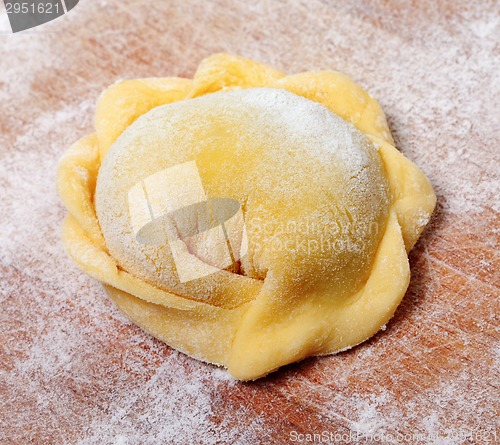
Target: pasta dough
pixel 246 218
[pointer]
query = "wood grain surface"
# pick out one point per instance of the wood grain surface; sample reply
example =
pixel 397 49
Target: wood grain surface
pixel 73 370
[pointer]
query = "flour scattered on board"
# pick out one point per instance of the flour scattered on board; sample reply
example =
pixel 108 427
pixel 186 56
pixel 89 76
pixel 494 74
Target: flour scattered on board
pixel 78 372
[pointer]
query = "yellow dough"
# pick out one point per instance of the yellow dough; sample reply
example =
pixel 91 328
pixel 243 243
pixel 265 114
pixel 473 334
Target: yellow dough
pixel 321 211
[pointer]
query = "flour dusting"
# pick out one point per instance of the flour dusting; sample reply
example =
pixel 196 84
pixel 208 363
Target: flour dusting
pixel 73 370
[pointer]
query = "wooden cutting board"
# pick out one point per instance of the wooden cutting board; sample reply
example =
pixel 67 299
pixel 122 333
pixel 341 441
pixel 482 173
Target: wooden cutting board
pixel 74 371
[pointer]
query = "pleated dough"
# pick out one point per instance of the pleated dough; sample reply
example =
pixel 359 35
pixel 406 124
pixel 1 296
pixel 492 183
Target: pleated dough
pixel 330 210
